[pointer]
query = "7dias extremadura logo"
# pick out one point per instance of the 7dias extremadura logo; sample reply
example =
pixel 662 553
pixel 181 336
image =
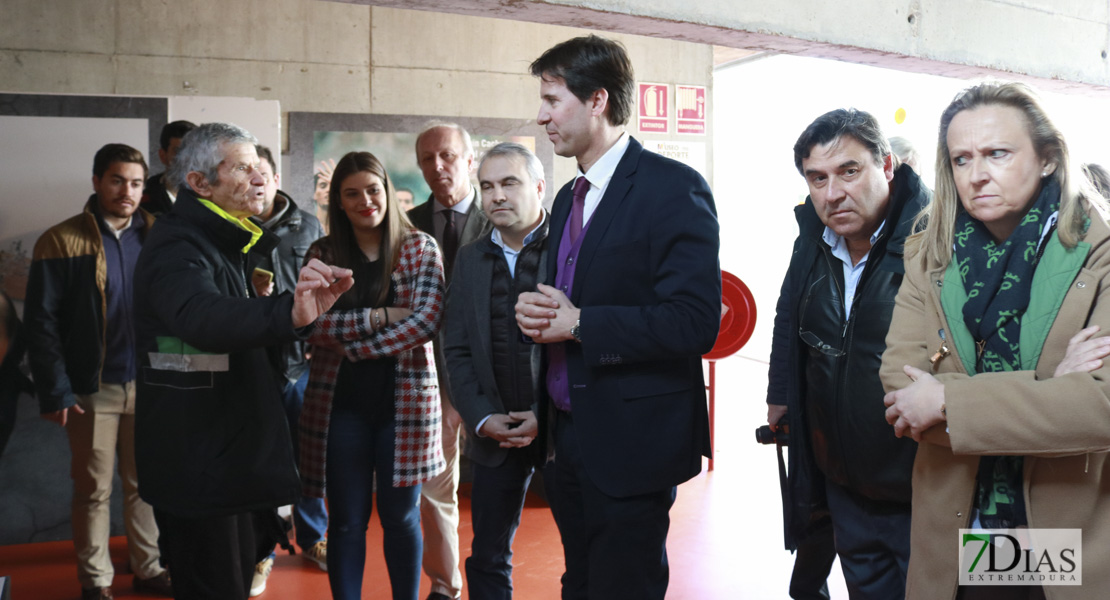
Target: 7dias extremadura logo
pixel 1021 557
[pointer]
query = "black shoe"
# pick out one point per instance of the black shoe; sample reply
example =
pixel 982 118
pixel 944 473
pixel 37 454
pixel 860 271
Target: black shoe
pixel 103 593
pixel 159 585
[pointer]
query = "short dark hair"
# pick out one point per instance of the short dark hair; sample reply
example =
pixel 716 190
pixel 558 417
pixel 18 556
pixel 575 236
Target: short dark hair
pixel 177 129
pixel 590 63
pixel 112 153
pixel 840 122
pixel 265 154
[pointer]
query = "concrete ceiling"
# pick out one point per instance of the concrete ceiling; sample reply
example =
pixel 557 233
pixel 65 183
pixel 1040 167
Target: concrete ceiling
pixel 732 44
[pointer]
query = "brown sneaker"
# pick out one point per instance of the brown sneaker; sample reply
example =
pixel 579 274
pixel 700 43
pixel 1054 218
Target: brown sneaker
pixel 159 585
pixel 261 574
pixel 103 593
pixel 318 554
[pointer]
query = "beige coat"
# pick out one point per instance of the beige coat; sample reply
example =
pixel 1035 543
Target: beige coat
pixel 1061 425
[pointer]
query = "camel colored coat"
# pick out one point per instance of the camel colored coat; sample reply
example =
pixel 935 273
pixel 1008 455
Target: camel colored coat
pixel 1061 425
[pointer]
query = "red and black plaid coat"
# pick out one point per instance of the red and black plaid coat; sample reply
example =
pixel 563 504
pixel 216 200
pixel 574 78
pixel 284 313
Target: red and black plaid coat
pixel 418 285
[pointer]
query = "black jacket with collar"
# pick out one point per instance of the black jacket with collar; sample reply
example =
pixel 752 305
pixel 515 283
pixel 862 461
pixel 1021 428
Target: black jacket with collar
pixel 211 436
pixel 845 421
pixel 473 340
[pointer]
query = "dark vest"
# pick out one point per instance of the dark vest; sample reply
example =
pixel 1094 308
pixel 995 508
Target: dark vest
pixel 512 357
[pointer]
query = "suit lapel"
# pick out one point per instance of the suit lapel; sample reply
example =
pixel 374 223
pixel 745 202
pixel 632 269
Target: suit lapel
pixel 481 281
pixel 619 187
pixel 421 216
pixel 475 220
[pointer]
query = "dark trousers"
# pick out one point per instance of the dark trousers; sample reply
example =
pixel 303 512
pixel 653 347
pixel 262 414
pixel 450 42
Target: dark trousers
pixel 496 501
pixel 873 541
pixel 357 449
pixel 813 561
pixel 212 557
pixel 614 548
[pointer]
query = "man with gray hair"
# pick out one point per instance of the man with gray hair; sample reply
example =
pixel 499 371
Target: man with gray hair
pixel 453 215
pixel 213 450
pixel 495 374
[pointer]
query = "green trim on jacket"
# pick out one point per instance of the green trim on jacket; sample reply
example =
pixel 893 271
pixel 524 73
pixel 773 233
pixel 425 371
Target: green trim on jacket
pixel 1051 281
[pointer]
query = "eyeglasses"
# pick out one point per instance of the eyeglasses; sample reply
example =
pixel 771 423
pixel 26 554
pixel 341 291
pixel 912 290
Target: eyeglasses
pixel 815 342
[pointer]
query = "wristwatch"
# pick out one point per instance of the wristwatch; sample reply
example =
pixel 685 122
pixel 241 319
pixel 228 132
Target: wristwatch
pixel 575 331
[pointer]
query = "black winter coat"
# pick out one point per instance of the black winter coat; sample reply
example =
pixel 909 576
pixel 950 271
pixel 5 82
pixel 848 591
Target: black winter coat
pixel 880 464
pixel 211 436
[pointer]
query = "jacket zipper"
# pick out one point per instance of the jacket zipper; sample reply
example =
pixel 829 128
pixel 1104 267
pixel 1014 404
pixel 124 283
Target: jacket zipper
pixel 842 363
pixel 243 274
pixel 841 366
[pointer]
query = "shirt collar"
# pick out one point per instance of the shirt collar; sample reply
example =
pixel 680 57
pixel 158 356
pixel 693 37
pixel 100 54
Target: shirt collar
pixel 602 170
pixel 834 240
pixel 462 207
pixel 496 238
pixel 135 220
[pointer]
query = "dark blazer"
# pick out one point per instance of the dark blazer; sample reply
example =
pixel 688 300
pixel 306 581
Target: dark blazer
pixel 648 283
pixel 477 225
pixel 467 346
pixel 156 200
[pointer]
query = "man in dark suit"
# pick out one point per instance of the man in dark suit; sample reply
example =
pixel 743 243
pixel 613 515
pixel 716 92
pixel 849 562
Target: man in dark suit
pixel 495 374
pixel 453 215
pixel 632 253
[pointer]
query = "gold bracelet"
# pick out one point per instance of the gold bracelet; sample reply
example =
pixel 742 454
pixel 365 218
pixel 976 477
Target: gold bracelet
pixel 377 318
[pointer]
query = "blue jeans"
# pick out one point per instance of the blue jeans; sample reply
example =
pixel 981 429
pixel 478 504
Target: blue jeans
pixel 356 451
pixel 310 515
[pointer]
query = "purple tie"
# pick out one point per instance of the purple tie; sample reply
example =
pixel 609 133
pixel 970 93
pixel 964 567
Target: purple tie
pixel 581 186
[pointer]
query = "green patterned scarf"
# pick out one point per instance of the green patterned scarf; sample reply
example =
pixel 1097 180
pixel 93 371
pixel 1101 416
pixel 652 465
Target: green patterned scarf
pixel 998 279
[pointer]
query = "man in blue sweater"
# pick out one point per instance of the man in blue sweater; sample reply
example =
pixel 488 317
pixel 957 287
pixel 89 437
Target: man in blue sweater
pixel 81 342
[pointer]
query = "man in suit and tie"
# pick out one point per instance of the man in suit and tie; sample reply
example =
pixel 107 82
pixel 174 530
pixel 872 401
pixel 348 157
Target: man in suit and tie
pixel 495 373
pixel 636 301
pixel 453 215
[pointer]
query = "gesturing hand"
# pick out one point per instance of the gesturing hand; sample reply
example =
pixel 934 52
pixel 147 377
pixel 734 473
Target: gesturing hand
pixel 318 287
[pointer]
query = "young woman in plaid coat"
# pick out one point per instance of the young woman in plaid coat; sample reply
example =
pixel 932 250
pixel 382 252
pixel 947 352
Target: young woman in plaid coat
pixel 372 406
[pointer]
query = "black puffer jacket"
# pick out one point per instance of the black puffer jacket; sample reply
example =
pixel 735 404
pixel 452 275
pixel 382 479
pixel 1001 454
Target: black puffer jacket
pixel 296 230
pixel 211 436
pixel 834 397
